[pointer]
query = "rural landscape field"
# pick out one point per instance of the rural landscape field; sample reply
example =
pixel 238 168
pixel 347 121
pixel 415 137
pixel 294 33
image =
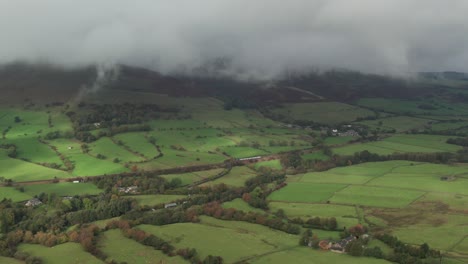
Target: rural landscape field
pixel 125 175
pixel 234 132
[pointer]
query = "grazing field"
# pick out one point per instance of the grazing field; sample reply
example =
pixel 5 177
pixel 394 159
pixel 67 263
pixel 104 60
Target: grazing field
pixel 19 170
pixel 376 196
pixel 346 215
pixel 34 151
pixel 152 200
pixel 64 253
pixel 122 249
pixel 85 164
pixel 138 143
pixel 239 204
pixel 443 231
pixel 233 240
pixel 398 123
pixel 243 152
pixel 307 255
pixel 273 164
pixel 191 177
pixel 104 146
pixel 318 155
pixel 323 112
pixel 63 189
pixel 5 260
pixel 13 194
pixel 305 192
pixel 401 144
pixel 236 177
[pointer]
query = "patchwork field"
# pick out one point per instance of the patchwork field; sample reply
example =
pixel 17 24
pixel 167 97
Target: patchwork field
pixel 13 194
pixel 63 189
pixel 65 253
pixel 122 249
pixel 234 240
pixel 236 177
pixel 239 204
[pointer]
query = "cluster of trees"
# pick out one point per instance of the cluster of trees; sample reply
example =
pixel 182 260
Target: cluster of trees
pixel 460 141
pixel 404 253
pixel 11 150
pixel 5 131
pixel 116 114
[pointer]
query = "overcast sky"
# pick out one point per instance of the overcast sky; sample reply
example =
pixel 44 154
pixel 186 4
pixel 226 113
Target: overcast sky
pixel 262 37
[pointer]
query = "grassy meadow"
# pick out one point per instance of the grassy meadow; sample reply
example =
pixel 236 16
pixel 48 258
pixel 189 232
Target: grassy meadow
pixel 64 253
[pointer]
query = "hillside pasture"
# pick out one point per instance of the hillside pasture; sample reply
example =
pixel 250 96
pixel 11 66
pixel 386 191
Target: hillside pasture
pixel 273 164
pixel 305 192
pixel 19 170
pixel 13 194
pixel 138 143
pixel 5 260
pixel 233 240
pixel 104 146
pixel 85 164
pixel 71 253
pixel 241 205
pixel 236 177
pixel 375 196
pixel 122 249
pixel 346 215
pixel 398 123
pixel 63 189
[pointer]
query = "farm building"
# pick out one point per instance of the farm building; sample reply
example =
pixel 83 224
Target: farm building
pixel 130 189
pixel 170 205
pixel 340 246
pixel 33 202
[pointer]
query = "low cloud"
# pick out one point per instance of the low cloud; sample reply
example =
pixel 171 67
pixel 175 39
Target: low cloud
pixel 261 38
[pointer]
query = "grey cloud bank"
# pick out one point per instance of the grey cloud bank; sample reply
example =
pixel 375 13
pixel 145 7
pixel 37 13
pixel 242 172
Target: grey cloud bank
pixel 261 37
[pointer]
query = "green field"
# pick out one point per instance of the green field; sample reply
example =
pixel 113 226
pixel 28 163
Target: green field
pixel 240 205
pixel 346 215
pixel 65 253
pixel 398 123
pixel 273 164
pixel 110 150
pixel 236 177
pixel 5 260
pixel 305 192
pixel 122 249
pixel 19 170
pixel 13 194
pixel 138 143
pixel 233 240
pixel 63 189
pixel 376 196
